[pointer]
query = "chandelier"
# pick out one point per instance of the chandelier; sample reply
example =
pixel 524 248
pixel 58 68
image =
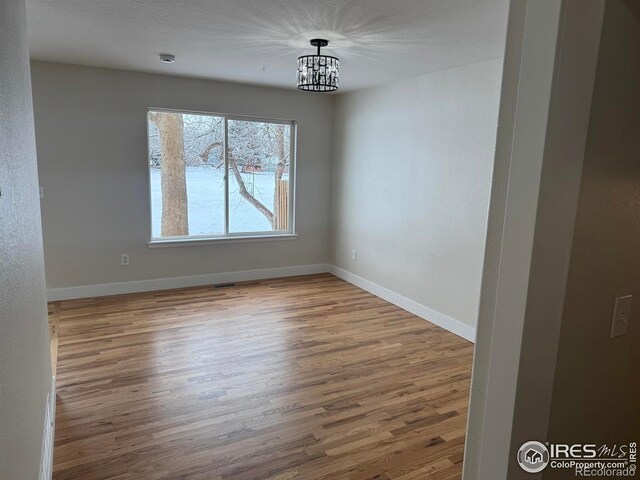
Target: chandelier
pixel 318 73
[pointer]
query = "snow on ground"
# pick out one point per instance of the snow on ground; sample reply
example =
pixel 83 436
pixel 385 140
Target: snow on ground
pixel 205 196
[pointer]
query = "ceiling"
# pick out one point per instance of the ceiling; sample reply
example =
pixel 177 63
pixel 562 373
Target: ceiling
pixel 258 41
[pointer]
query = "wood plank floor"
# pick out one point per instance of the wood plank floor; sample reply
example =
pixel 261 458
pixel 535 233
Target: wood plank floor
pixel 299 378
pixel 54 328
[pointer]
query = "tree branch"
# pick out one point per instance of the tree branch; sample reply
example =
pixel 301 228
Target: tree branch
pixel 205 154
pixel 245 193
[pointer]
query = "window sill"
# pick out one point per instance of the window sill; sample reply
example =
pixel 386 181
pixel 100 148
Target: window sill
pixel 192 242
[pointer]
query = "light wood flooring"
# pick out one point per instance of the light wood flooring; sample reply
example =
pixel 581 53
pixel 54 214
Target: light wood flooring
pixel 301 378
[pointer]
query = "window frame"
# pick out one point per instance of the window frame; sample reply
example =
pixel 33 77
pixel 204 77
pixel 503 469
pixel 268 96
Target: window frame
pixel 226 236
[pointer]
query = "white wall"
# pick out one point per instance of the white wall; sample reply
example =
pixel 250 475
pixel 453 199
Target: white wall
pixel 91 135
pixel 411 179
pixel 25 368
pixel 550 61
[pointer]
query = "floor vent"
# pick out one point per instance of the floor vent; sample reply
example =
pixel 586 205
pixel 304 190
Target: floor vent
pixel 224 285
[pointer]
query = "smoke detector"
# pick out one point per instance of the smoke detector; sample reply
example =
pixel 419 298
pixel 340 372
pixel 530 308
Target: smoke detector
pixel 167 58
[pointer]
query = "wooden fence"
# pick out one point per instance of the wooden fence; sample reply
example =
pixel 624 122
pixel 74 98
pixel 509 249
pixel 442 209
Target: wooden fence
pixel 282 205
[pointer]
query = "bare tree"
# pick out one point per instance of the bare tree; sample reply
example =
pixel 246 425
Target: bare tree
pixel 172 171
pixel 207 151
pixel 180 140
pixel 203 134
pixel 242 188
pixel 256 140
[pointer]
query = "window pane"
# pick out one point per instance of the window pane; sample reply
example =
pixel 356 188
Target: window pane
pixel 259 162
pixel 186 162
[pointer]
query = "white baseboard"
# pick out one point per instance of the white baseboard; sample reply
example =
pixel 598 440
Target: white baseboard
pixel 107 289
pixel 448 323
pixel 451 324
pixel 46 462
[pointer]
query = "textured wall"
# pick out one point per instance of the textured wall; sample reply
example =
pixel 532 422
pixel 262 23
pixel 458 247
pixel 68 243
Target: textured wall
pixel 411 179
pixel 596 396
pixel 25 368
pixel 91 134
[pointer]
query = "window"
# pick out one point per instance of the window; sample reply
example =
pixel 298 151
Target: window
pixel 217 176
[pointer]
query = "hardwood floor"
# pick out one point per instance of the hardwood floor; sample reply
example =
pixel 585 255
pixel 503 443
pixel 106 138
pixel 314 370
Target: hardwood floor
pixel 54 328
pixel 299 378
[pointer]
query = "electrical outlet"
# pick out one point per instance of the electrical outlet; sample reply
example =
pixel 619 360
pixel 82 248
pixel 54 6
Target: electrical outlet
pixel 354 255
pixel 124 259
pixel 621 316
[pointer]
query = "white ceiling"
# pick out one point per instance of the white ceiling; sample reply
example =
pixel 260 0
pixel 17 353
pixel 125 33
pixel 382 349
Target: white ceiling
pixel 258 41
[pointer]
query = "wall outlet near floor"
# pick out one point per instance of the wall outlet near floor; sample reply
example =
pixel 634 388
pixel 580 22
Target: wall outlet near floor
pixel 124 259
pixel 621 316
pixel 354 255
